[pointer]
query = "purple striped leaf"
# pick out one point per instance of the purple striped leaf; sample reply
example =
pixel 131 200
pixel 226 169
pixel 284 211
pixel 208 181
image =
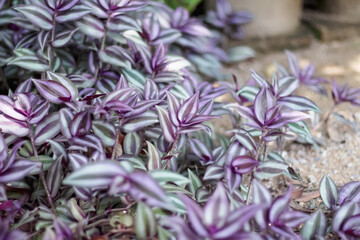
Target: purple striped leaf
pixel 94 175
pixel 189 109
pixel 63 38
pixel 91 26
pixel 195 182
pixel 214 172
pixel 248 92
pixel 167 176
pixel 132 144
pixel 286 86
pixel 264 101
pixel 233 180
pixel 217 207
pixel 11 158
pixel 200 150
pixel 235 149
pixel 345 212
pixel 269 169
pixel 299 103
pixel 77 160
pixel 122 23
pixel 76 210
pixel 58 149
pixel 244 164
pixel 259 80
pixel 119 95
pixel 24 87
pixel 118 106
pixel 293 63
pixel 279 206
pixel 169 131
pixel 66 5
pixel 246 113
pixel 141 121
pixel 116 56
pixel 261 196
pixel 22 103
pixel 89 140
pixel 196 128
pixel 328 192
pixel 105 131
pixel 81 124
pixel 236 220
pixel 349 192
pixel 167 77
pixel 47 129
pixel 11 127
pixel 52 91
pixel 37 15
pixel 3 153
pixel 65 118
pixel 351 226
pixel 76 13
pixel 7 108
pixel 151 90
pixel 288 117
pixel 18 170
pixel 293 218
pixel 144 188
pixel 141 107
pixel 174 105
pixel 66 82
pixel 198 119
pixel 54 177
pixel 195 215
pixel 246 140
pixel 42 38
pixel 30 62
pixel 62 229
pixel 167 36
pixel 145 222
pixel 154 158
pixel 95 8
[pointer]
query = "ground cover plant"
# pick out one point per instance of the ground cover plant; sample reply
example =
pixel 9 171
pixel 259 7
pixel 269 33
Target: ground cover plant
pixel 107 133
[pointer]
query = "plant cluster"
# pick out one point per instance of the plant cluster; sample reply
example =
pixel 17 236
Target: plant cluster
pixel 108 133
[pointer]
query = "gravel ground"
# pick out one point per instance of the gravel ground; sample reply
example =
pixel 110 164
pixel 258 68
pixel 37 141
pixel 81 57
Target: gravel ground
pixel 339 158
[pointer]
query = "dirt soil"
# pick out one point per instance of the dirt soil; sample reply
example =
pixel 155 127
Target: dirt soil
pixel 340 154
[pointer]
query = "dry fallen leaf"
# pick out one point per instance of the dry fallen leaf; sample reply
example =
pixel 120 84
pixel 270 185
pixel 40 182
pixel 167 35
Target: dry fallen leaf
pixel 296 192
pixel 307 196
pixel 294 205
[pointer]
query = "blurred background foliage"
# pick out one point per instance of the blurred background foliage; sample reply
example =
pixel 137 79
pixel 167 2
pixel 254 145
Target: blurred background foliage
pixel 188 4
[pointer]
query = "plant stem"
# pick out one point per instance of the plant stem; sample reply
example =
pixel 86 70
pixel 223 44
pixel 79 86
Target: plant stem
pixel 52 37
pixel 171 152
pixel 106 212
pixel 118 131
pixel 249 189
pixel 96 223
pixel 262 142
pixel 102 46
pixel 42 176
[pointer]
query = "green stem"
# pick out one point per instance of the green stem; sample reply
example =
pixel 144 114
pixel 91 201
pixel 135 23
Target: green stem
pixel 42 176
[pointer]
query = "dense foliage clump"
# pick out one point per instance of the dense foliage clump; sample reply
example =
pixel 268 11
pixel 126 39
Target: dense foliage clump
pixel 106 129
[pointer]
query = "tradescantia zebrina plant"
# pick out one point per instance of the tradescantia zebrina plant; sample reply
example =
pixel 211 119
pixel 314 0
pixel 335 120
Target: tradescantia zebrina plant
pixel 106 132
